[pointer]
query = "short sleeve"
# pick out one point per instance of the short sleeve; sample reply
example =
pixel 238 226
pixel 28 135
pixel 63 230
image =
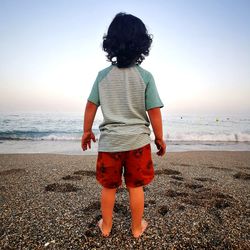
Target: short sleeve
pixel 152 98
pixel 94 94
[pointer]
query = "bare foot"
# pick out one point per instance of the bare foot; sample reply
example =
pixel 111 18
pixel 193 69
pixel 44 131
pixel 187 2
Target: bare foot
pixel 144 225
pixel 105 232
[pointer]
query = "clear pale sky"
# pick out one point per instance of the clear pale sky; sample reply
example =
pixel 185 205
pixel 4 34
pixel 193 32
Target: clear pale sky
pixel 51 52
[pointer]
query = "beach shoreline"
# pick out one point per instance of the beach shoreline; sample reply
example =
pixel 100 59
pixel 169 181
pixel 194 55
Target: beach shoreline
pixel 74 147
pixel 198 199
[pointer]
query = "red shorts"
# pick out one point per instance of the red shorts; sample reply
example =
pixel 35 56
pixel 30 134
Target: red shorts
pixel 138 168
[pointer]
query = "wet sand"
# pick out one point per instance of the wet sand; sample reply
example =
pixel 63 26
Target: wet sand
pixel 198 200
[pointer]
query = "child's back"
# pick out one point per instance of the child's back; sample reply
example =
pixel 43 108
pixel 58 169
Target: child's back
pixel 126 93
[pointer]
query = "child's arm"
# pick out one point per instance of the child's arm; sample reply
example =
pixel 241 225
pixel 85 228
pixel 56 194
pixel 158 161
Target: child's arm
pixel 89 117
pixel 156 122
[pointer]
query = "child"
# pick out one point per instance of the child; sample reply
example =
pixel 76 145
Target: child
pixel 125 91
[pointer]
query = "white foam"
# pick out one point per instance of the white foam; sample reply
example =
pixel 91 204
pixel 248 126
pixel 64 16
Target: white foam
pixel 234 137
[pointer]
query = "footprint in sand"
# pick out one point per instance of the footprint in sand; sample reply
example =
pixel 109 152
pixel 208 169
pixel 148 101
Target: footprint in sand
pixel 203 227
pixel 210 199
pixel 246 168
pixel 85 172
pixel 163 210
pixel 167 171
pixel 204 179
pixel 193 185
pixel 214 201
pixel 176 177
pixel 3 188
pixel 220 203
pixel 72 178
pixel 216 213
pixel 92 230
pixel 173 193
pixel 93 206
pixel 180 164
pixel 152 202
pixel 12 171
pixel 63 188
pixel 192 201
pixel 242 176
pixel 181 207
pixel 206 194
pixel 177 183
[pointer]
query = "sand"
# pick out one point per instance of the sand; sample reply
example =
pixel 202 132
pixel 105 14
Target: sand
pixel 198 200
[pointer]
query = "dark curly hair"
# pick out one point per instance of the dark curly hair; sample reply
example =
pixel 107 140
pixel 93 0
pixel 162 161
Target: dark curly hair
pixel 127 40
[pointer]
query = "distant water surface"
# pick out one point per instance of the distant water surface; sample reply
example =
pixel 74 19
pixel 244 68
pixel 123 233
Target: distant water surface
pixel 61 133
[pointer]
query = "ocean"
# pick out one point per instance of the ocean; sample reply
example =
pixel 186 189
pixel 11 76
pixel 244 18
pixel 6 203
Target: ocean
pixel 60 133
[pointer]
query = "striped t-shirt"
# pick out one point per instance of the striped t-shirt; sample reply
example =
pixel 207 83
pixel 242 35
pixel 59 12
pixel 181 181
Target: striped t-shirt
pixel 124 94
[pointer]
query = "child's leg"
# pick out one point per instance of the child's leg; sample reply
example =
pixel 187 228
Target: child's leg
pixel 109 175
pixel 139 171
pixel 107 206
pixel 136 198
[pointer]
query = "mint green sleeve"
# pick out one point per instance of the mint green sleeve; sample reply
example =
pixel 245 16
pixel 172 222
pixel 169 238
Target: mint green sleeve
pixel 94 94
pixel 152 98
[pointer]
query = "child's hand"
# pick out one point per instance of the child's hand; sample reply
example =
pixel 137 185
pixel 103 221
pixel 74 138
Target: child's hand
pixel 161 146
pixel 86 140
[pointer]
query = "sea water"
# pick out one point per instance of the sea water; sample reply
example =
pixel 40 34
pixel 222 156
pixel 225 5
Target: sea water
pixel 61 133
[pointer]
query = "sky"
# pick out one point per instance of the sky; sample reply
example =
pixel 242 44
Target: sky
pixel 51 53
